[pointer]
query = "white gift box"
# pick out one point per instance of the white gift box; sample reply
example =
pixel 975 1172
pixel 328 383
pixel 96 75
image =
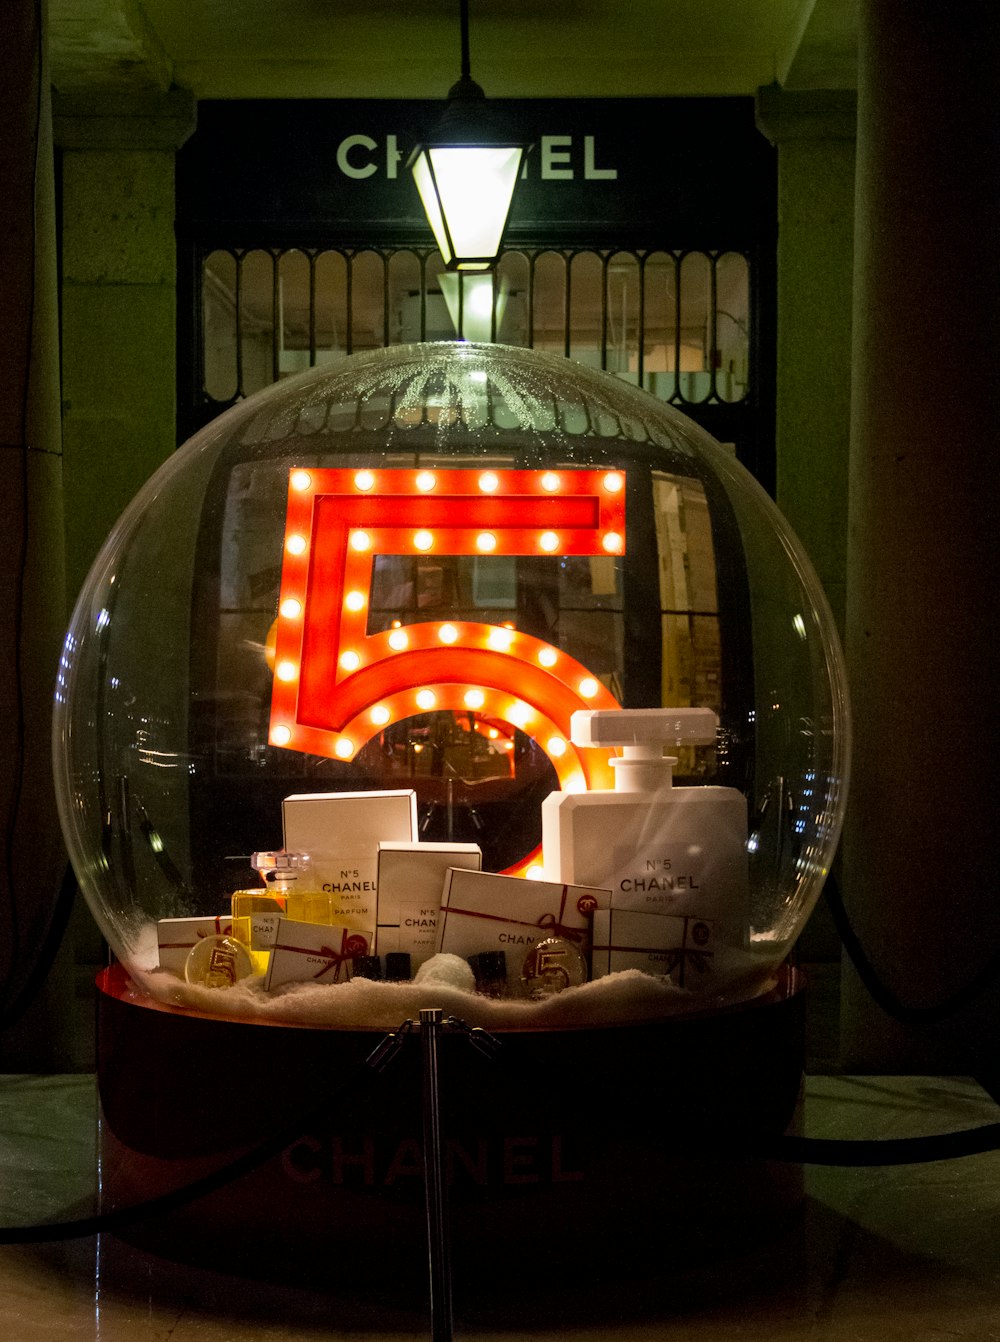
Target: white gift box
pixel 674 946
pixel 313 953
pixel 347 822
pixel 176 936
pixel 485 912
pixel 411 880
pixel 341 832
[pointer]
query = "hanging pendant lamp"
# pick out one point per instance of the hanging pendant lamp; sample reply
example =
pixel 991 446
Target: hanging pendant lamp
pixel 466 171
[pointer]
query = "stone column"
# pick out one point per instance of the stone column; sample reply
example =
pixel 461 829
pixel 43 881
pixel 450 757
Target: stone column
pixel 920 847
pixel 814 134
pixel 32 613
pixel 119 302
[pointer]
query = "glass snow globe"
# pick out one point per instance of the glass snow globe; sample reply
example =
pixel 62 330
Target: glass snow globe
pixel 413 572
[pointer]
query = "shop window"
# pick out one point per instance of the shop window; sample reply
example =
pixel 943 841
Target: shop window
pixel 675 323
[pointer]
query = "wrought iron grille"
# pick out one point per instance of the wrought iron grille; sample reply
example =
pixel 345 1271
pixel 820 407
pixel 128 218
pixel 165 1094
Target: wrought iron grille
pixel 677 323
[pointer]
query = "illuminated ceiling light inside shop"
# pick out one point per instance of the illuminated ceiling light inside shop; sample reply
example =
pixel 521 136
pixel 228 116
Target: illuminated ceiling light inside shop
pixel 466 171
pixel 471 301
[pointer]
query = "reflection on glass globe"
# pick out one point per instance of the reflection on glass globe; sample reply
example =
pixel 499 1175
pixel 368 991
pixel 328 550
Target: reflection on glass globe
pixel 407 572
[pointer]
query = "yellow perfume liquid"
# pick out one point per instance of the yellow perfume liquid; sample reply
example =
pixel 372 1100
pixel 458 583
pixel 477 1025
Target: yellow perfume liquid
pixel 254 912
pixel 309 906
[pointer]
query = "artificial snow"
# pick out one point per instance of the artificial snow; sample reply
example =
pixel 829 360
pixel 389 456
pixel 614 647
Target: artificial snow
pixel 624 998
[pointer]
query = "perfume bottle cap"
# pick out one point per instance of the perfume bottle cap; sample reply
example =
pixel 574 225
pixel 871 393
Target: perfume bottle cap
pixel 642 733
pixel 279 869
pixel 643 727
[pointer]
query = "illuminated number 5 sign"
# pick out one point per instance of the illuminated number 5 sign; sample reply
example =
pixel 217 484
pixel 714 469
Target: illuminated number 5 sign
pixel 336 685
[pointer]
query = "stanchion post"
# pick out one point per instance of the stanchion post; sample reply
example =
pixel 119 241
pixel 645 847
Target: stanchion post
pixel 435 1192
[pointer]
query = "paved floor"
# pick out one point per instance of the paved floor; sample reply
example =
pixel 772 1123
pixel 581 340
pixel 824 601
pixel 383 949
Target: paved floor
pixel 907 1252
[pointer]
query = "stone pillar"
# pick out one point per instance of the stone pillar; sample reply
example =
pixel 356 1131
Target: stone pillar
pixel 920 853
pixel 32 614
pixel 119 302
pixel 814 134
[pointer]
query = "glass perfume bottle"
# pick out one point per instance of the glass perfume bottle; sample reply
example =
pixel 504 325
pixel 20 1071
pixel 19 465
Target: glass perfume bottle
pixel 256 912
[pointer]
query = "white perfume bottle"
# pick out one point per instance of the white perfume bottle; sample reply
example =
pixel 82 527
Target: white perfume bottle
pixel 678 852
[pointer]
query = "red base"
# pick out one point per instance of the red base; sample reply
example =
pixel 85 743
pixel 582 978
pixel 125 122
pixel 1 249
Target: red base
pixel 566 1146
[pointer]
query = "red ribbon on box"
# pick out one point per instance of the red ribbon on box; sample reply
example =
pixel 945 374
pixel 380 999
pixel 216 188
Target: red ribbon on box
pixel 550 923
pixel 555 926
pixel 351 944
pixel 683 955
pixel 678 957
pixel 221 930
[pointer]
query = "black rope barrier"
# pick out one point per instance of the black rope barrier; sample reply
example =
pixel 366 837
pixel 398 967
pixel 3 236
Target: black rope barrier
pixel 881 993
pixel 821 1151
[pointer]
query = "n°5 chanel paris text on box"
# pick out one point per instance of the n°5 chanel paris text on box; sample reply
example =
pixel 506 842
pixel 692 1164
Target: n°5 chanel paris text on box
pixel 411 880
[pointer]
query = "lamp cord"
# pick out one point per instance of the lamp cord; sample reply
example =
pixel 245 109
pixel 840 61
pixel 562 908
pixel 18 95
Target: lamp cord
pixel 463 7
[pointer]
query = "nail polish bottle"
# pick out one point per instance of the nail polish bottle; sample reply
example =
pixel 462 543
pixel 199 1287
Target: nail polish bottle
pixel 490 969
pixel 397 967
